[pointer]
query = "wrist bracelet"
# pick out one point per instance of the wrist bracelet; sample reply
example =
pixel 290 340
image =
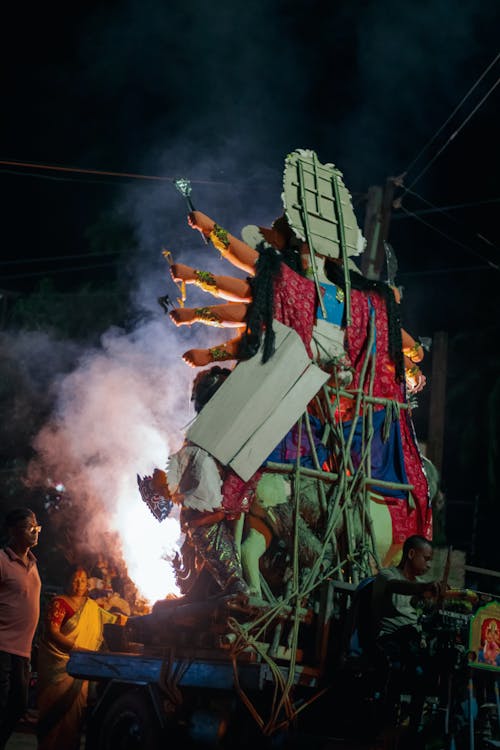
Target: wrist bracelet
pixel 218 353
pixel 208 316
pixel 206 281
pixel 219 238
pixel 414 351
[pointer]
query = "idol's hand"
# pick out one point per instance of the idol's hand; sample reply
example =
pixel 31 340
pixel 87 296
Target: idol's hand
pixel 201 222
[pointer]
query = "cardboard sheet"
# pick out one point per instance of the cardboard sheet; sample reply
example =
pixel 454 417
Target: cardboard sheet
pixel 258 404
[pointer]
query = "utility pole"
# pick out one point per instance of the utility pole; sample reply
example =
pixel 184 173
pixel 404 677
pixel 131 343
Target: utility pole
pixel 376 229
pixel 438 399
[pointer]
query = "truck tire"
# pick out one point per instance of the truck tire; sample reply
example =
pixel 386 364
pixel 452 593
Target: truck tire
pixel 130 723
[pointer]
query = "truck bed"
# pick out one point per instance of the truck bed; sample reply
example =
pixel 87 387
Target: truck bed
pixel 194 669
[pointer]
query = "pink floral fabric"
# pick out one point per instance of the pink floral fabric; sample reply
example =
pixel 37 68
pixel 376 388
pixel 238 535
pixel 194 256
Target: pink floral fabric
pixel 405 520
pixel 295 303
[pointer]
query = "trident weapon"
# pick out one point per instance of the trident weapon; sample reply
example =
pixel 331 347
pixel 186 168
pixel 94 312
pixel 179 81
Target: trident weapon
pixel 184 187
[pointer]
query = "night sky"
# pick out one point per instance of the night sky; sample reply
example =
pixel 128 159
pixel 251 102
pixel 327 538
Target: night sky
pixel 220 92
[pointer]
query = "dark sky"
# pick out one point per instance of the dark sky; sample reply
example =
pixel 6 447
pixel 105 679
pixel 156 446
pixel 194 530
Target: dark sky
pixel 220 92
pixel 224 90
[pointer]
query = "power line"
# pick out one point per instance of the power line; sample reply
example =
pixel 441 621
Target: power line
pixel 57 178
pixel 440 130
pixel 451 239
pixel 453 135
pixel 80 295
pixel 103 173
pixel 442 209
pixel 68 269
pixel 447 271
pixel 53 257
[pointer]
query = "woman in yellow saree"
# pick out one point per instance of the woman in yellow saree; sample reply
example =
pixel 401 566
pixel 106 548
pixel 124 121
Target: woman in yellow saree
pixel 73 621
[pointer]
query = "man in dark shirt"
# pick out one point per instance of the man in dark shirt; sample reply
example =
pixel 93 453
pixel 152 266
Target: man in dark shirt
pixel 397 629
pixel 19 612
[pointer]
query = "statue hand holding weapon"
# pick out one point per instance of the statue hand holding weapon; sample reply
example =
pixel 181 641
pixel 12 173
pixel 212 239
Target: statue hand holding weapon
pixel 184 187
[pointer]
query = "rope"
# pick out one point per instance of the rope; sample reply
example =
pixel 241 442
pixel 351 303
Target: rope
pixel 170 677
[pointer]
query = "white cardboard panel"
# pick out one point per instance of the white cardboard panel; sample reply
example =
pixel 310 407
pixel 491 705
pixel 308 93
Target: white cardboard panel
pixel 285 415
pixel 250 394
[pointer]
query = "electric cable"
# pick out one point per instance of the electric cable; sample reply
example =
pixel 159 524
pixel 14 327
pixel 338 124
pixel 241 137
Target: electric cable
pixel 16 262
pixel 452 137
pixel 451 239
pixel 459 105
pixel 68 269
pixel 452 207
pixel 444 211
pixel 56 178
pixel 437 271
pixel 103 172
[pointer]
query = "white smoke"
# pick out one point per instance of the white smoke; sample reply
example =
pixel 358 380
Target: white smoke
pixel 119 413
pixel 123 408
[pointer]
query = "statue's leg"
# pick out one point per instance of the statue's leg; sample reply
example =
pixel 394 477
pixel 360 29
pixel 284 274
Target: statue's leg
pixel 225 287
pixel 215 544
pixel 238 525
pixel 252 550
pixel 382 529
pixel 228 315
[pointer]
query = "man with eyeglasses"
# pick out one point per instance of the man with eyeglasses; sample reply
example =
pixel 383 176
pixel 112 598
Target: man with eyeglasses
pixel 19 612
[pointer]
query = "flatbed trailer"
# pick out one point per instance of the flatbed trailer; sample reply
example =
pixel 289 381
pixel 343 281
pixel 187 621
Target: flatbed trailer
pixel 191 699
pixel 170 694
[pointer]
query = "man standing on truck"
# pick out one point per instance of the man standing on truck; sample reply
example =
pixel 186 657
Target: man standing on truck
pixel 397 629
pixel 19 612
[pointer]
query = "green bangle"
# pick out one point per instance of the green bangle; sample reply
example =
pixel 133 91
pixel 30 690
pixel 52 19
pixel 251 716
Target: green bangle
pixel 206 281
pixel 218 353
pixel 219 238
pixel 206 315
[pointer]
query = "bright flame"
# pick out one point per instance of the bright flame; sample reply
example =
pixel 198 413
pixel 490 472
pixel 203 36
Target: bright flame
pixel 148 546
pixel 120 413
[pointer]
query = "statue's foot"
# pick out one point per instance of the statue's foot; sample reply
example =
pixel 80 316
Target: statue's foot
pixel 181 272
pixel 197 357
pixel 238 590
pixel 237 587
pixel 256 600
pixel 182 316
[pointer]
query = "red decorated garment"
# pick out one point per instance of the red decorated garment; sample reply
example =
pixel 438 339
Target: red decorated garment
pixel 295 303
pixel 294 306
pixel 237 494
pixel 405 519
pixel 59 611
